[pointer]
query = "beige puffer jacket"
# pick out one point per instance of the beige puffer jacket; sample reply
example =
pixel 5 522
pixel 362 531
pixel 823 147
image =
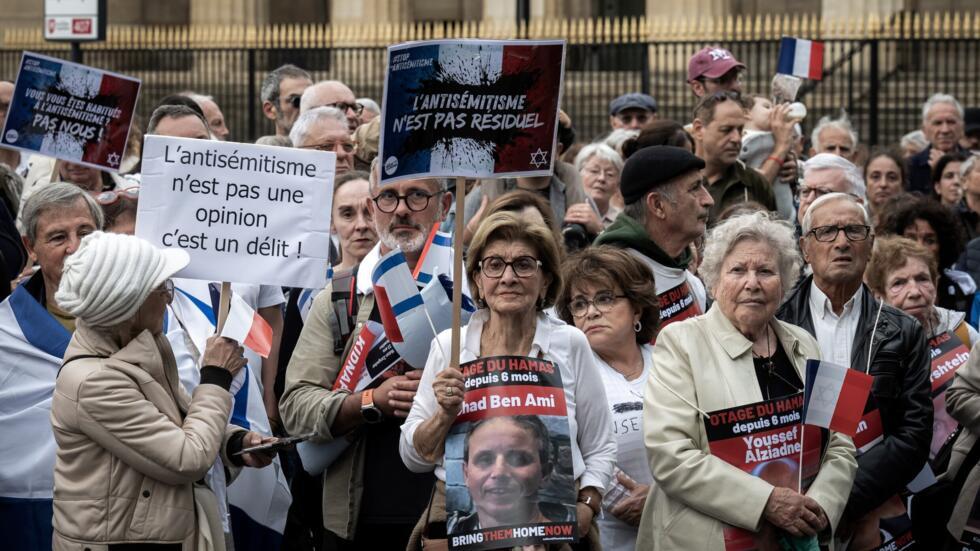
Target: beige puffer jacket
pixel 131 444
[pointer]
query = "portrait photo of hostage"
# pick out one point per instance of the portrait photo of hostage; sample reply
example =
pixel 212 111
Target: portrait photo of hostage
pixel 506 471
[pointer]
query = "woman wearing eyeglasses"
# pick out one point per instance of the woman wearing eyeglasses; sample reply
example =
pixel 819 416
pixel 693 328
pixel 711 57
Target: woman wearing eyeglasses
pixel 513 270
pixel 612 299
pixel 133 447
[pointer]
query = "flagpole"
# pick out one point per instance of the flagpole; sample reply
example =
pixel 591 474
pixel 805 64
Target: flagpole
pixel 458 272
pixel 224 303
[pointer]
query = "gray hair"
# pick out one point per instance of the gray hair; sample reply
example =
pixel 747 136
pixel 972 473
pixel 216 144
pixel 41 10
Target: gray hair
pixel 617 137
pixel 269 91
pixel 306 100
pixel 303 125
pixel 369 105
pixel 968 165
pixel 827 161
pixel 173 112
pixel 829 198
pixel 272 139
pixel 57 195
pixel 936 99
pixel 600 150
pixel 915 138
pixel 840 123
pixel 759 227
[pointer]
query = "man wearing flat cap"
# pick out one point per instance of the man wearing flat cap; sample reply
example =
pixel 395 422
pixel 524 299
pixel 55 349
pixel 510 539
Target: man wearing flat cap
pixel 632 111
pixel 666 209
pixel 714 69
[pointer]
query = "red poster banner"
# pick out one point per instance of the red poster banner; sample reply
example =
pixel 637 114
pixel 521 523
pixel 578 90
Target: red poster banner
pixel 765 439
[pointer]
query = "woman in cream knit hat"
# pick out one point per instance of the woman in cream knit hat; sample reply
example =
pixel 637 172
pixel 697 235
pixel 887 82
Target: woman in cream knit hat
pixel 132 445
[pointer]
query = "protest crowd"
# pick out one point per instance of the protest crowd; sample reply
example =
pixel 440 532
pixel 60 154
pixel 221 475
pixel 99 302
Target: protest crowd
pixel 672 292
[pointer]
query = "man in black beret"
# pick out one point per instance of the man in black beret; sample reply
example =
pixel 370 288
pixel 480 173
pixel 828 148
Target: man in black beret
pixel 717 130
pixel 666 209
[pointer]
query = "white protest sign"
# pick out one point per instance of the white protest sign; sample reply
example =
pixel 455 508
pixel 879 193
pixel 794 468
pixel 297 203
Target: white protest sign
pixel 245 213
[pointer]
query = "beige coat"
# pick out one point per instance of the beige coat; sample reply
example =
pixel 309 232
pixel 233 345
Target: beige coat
pixel 126 462
pixel 709 363
pixel 963 404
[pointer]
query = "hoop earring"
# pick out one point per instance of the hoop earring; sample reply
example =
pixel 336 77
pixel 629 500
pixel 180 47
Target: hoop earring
pixel 637 326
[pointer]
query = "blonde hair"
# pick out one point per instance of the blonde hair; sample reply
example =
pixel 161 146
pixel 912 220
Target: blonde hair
pixel 506 226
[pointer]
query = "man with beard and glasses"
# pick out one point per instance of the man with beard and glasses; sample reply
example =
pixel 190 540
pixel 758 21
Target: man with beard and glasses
pixel 666 210
pixel 370 500
pixel 719 119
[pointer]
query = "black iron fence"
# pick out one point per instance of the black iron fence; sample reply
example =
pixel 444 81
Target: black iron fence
pixel 880 72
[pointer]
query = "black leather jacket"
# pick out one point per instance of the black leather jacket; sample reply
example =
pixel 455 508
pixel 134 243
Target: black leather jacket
pixel 900 365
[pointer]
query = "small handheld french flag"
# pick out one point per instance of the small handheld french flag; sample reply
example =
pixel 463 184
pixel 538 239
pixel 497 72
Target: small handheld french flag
pixel 800 58
pixel 835 396
pixel 247 327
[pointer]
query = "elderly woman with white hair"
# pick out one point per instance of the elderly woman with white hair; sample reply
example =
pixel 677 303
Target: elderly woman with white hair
pixel 132 445
pixel 600 167
pixel 736 354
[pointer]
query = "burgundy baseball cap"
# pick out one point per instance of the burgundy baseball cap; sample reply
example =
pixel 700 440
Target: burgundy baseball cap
pixel 711 62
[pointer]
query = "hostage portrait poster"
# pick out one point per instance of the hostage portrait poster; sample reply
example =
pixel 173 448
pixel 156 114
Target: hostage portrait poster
pixel 473 108
pixel 508 459
pixel 765 439
pixel 72 112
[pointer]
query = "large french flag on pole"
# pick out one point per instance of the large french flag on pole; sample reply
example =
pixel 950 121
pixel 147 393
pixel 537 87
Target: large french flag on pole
pixel 835 396
pixel 801 58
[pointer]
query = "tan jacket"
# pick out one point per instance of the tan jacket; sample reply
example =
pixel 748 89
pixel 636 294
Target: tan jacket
pixel 126 461
pixel 309 405
pixel 963 404
pixel 709 363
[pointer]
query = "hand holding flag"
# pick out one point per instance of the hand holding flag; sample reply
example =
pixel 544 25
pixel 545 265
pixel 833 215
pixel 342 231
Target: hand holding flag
pixel 247 327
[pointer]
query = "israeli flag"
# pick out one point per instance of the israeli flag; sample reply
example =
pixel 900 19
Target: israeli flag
pixel 32 345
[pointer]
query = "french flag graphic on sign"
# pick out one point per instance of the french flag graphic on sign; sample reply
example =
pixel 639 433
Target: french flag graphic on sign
pixel 800 58
pixel 470 108
pixel 835 396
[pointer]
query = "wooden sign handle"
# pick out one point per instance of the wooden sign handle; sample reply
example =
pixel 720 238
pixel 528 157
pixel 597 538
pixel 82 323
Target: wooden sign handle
pixel 458 275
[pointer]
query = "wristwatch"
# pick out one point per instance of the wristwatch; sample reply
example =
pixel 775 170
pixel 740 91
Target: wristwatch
pixel 590 502
pixel 369 411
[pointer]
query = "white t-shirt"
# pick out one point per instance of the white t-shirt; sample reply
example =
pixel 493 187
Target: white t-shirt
pixel 626 403
pixel 681 293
